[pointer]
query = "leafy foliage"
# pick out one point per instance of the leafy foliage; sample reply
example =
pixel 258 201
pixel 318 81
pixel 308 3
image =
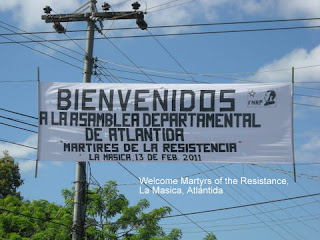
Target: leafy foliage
pixel 109 214
pixel 37 220
pixel 210 236
pixel 10 178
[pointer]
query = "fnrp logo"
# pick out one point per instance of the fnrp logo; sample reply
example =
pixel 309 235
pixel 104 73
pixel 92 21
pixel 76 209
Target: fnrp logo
pixel 261 99
pixel 269 97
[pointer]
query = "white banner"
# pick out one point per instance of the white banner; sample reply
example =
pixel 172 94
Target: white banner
pixel 234 123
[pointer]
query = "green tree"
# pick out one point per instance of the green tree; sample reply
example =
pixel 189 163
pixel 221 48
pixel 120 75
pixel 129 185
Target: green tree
pixel 109 216
pixel 37 220
pixel 10 178
pixel 210 236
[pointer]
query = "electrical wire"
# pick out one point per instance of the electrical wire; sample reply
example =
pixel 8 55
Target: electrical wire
pixel 18 113
pixel 169 72
pixel 21 81
pixel 15 120
pixel 233 23
pixel 310 88
pixel 191 175
pixel 18 144
pixel 288 213
pixel 45 40
pixel 163 4
pixel 302 208
pixel 303 95
pixel 309 105
pixel 242 206
pixel 170 204
pixel 237 200
pixel 166 26
pixel 287 172
pixel 249 228
pixel 181 74
pixel 125 55
pixel 241 216
pixel 255 223
pixel 31 217
pixel 166 34
pixel 105 69
pixel 24 129
pixel 36 50
pixel 131 79
pixel 307 163
pixel 26 159
pixel 150 74
pixel 75 43
pixel 177 5
pixel 171 55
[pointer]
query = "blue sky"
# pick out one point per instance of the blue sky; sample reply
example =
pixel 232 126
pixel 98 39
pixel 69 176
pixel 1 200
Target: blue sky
pixel 262 54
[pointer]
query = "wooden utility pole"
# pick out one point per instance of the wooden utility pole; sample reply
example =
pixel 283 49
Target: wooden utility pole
pixel 91 18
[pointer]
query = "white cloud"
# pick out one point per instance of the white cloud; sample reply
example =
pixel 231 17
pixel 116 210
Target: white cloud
pixel 16 151
pixel 19 151
pixel 296 8
pixel 27 166
pixel 296 58
pixel 28 12
pixel 310 150
pixel 312 144
pixel 280 8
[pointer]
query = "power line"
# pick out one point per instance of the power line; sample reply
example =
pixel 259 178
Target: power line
pixel 273 218
pixel 237 229
pixel 191 175
pixel 131 79
pixel 164 199
pixel 63 53
pixel 106 69
pixel 26 159
pixel 170 54
pixel 307 163
pixel 242 216
pixel 166 34
pixel 153 75
pixel 309 105
pixel 18 144
pixel 31 217
pixel 15 120
pixel 21 114
pixel 286 172
pixel 281 192
pixel 177 5
pixel 163 4
pixel 310 88
pixel 36 50
pixel 28 33
pixel 75 43
pixel 8 125
pixel 256 223
pixel 249 210
pixel 18 81
pixel 163 26
pixel 125 55
pixel 303 95
pixel 243 206
pixel 235 23
pixel 179 73
pixel 170 72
